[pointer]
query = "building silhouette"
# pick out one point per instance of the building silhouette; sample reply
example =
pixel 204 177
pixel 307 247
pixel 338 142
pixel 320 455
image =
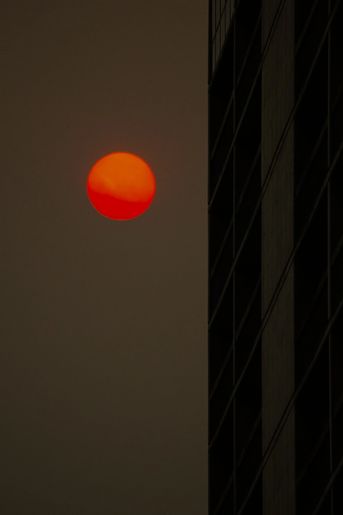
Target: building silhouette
pixel 275 257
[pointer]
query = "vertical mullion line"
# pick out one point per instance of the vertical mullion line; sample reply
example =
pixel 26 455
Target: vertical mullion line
pixel 210 70
pixel 215 33
pixel 210 42
pixel 219 28
pixel 329 307
pixel 224 21
pixel 234 20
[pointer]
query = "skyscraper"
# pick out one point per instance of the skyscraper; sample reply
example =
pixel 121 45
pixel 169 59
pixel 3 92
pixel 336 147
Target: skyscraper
pixel 275 257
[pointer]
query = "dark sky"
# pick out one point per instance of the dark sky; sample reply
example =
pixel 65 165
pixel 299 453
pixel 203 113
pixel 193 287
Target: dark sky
pixel 103 356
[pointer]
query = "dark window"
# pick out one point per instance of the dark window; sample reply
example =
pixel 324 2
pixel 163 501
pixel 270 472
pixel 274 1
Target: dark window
pixel 312 436
pixel 221 461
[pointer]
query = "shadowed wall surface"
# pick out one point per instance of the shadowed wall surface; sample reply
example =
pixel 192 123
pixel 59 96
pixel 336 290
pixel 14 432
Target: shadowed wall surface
pixel 275 257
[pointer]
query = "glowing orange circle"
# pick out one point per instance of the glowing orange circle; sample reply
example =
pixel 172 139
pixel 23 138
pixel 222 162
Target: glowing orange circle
pixel 121 186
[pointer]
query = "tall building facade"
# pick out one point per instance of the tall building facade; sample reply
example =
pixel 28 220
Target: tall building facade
pixel 275 203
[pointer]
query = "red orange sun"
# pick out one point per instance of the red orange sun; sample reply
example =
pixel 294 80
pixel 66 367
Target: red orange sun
pixel 121 186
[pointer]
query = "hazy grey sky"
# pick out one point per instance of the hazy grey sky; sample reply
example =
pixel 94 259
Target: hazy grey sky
pixel 103 355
